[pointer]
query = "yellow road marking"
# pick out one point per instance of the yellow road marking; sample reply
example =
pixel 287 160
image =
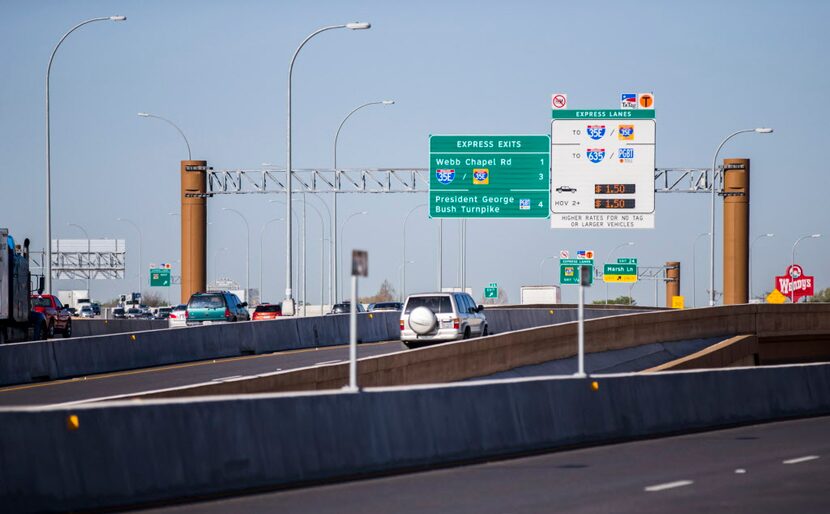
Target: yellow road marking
pixel 174 366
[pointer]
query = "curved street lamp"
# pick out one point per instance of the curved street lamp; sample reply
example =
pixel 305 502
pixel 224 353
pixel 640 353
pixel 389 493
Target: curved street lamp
pixel 148 115
pixel 289 299
pixel 48 272
pixel 337 184
pixel 792 261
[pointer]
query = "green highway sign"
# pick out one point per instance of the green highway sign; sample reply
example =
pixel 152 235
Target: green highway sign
pixel 569 272
pixel 491 292
pixel 159 277
pixel 627 260
pixel 619 273
pixel 609 114
pixel 480 176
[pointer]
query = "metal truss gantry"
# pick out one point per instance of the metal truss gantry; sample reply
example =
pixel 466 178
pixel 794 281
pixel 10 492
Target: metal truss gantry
pixel 81 265
pixel 400 180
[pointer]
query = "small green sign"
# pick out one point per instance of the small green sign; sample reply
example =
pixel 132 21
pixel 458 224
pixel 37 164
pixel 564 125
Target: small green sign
pixel 627 260
pixel 485 176
pixel 609 114
pixel 159 277
pixel 569 272
pixel 576 262
pixel 491 292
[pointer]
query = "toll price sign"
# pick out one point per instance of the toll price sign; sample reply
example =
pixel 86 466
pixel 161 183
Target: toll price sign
pixel 160 277
pixel 602 168
pixel 486 176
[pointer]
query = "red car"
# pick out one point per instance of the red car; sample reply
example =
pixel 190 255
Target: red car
pixel 267 311
pixel 58 317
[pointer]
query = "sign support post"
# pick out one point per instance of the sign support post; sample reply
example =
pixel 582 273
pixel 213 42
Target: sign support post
pixel 584 281
pixel 360 267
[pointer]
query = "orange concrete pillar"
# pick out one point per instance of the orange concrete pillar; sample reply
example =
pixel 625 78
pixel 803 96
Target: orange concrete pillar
pixel 672 281
pixel 736 231
pixel 194 227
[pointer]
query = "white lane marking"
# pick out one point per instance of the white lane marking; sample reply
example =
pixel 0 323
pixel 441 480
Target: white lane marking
pixel 327 362
pixel 740 471
pixel 668 485
pixel 800 459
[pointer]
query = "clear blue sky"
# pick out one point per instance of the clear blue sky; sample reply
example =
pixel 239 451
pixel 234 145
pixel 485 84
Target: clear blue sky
pixel 219 70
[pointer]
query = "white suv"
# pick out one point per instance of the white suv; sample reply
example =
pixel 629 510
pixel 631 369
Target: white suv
pixel 432 317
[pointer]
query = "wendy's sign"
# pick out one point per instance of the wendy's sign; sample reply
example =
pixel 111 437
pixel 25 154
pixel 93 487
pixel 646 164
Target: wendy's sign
pixel 795 284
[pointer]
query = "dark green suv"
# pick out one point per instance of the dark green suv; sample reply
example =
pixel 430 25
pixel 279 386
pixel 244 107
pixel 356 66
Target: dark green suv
pixel 215 307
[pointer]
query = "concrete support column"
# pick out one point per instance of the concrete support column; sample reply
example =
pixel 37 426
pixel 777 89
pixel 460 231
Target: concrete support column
pixel 672 281
pixel 194 228
pixel 736 231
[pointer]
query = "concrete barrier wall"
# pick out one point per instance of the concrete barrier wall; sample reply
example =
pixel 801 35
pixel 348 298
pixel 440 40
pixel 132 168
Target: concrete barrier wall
pixel 126 453
pixel 64 358
pixel 97 327
pixel 80 356
pixel 463 360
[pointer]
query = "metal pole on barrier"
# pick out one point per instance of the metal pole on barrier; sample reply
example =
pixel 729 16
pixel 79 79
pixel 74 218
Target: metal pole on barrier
pixel 360 267
pixel 353 337
pixel 584 281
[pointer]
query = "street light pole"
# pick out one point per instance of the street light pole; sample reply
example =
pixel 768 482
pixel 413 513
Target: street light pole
pixel 289 299
pixel 694 268
pixel 343 228
pixel 792 261
pixel 328 240
pixel 403 255
pixel 610 254
pixel 402 274
pixel 48 259
pixel 216 264
pixel 750 261
pixel 140 244
pixel 89 271
pixel 247 251
pixel 712 208
pixel 186 142
pixel 261 233
pixel 334 254
pixel 322 254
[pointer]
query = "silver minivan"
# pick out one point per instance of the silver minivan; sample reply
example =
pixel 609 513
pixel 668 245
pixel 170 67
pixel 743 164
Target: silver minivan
pixel 436 317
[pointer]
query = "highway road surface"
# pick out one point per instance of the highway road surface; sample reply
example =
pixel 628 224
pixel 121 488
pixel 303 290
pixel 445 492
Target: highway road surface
pixel 770 468
pixel 176 375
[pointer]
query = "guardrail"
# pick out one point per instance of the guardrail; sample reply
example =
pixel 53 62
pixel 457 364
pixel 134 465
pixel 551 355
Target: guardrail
pixel 160 450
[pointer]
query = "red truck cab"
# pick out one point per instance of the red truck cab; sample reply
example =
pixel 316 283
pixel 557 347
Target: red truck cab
pixel 58 318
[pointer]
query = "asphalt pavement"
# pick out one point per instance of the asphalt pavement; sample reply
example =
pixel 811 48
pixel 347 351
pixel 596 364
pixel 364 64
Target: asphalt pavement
pixel 770 468
pixel 177 375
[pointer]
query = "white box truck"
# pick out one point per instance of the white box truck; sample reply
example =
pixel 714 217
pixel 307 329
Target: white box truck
pixel 532 295
pixel 75 298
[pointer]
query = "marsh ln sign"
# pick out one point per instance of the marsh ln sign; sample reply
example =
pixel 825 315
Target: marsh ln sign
pixel 795 284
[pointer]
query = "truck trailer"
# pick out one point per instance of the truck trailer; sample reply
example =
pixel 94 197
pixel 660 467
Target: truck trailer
pixel 18 322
